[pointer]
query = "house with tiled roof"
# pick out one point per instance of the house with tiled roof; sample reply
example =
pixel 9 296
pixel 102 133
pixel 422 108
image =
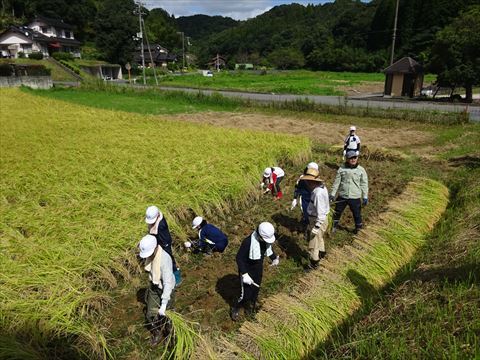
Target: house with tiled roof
pixel 45 35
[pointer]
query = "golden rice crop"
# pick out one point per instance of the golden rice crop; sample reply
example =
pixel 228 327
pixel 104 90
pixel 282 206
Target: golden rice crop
pixel 74 184
pixel 291 326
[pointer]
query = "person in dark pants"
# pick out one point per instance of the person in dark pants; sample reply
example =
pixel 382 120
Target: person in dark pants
pixel 158 227
pixel 249 258
pixel 303 192
pixel 272 177
pixel 352 185
pixel 210 238
pixel 159 296
pixel 352 142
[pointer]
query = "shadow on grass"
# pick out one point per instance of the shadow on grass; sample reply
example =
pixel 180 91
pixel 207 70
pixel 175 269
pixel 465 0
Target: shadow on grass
pixel 228 287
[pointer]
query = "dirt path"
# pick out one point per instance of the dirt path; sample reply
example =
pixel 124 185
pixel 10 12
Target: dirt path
pixel 322 132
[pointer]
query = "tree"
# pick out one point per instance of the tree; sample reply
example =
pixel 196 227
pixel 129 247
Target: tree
pixel 115 27
pixel 455 55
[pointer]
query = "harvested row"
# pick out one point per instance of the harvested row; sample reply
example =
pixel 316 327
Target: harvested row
pixel 74 185
pixel 292 325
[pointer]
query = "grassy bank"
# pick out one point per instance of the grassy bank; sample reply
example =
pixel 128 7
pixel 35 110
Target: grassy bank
pixel 434 310
pixel 57 73
pixel 75 182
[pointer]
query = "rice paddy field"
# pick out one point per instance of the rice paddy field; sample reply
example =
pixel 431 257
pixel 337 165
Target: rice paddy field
pixel 79 167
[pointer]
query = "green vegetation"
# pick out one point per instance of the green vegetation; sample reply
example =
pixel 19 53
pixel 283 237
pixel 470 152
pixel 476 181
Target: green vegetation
pixel 74 183
pixel 57 73
pixel 434 310
pixel 284 82
pixel 155 103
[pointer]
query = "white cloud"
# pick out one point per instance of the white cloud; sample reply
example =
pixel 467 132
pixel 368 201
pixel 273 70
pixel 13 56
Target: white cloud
pixel 237 9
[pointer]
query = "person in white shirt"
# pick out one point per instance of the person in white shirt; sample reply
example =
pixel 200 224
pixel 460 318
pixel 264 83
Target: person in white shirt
pixel 159 297
pixel 352 142
pixel 317 210
pixel 272 177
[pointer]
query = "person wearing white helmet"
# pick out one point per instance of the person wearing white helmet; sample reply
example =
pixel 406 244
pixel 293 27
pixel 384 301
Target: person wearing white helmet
pixel 249 259
pixel 272 177
pixel 318 210
pixel 352 142
pixel 210 238
pixel 303 192
pixel 159 296
pixel 158 227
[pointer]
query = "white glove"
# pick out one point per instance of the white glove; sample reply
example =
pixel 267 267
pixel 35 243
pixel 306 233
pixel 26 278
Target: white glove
pixel 267 191
pixel 276 261
pixel 187 244
pixel 247 279
pixel 162 310
pixel 294 204
pixel 262 185
pixel 315 230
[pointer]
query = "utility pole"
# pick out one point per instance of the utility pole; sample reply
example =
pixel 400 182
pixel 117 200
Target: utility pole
pixel 183 49
pixel 140 35
pixel 150 52
pixel 394 32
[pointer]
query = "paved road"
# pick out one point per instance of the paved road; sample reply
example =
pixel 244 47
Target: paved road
pixel 372 102
pixel 376 102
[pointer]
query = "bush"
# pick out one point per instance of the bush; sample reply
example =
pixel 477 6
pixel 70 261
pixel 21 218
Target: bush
pixel 37 55
pixel 66 56
pixel 71 66
pixel 6 70
pixel 31 70
pixel 21 55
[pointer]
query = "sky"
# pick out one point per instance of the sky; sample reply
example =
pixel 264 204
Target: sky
pixel 236 9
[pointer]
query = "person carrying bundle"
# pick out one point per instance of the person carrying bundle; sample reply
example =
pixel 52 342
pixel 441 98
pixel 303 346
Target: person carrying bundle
pixel 272 177
pixel 160 295
pixel 303 192
pixel 210 238
pixel 249 259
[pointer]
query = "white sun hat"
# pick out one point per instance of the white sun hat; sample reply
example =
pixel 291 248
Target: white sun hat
pixel 312 165
pixel 147 246
pixel 267 172
pixel 151 215
pixel 267 232
pixel 196 222
pixel 353 128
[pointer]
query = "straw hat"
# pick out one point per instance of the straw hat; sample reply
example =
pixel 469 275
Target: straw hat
pixel 312 175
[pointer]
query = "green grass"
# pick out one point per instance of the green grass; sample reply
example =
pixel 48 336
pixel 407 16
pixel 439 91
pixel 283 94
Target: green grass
pixel 434 312
pixel 75 182
pixel 279 82
pixel 57 73
pixel 151 102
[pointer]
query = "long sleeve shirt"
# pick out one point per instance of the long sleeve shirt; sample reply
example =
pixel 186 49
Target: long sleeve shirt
pixel 167 283
pixel 351 183
pixel 251 251
pixel 213 235
pixel 319 205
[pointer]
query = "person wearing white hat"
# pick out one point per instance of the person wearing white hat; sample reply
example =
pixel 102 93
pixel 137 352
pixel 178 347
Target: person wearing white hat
pixel 272 177
pixel 351 182
pixel 303 192
pixel 249 259
pixel 158 227
pixel 318 210
pixel 210 238
pixel 352 142
pixel 159 296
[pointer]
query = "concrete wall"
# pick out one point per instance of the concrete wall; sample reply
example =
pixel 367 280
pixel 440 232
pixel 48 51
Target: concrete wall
pixel 34 82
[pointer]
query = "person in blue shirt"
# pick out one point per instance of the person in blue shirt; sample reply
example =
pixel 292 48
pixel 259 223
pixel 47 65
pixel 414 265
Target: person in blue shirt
pixel 210 238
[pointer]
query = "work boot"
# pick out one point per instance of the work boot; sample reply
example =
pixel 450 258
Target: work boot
pixel 356 230
pixel 156 338
pixel 312 266
pixel 322 254
pixel 234 313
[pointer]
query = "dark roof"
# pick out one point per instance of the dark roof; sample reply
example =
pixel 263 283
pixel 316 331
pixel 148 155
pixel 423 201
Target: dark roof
pixel 53 22
pixel 405 65
pixel 38 36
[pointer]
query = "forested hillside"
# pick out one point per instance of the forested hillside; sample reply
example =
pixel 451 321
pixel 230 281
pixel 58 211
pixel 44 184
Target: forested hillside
pixel 345 35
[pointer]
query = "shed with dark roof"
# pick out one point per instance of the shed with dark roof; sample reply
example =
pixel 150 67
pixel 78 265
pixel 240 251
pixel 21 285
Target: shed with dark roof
pixel 403 78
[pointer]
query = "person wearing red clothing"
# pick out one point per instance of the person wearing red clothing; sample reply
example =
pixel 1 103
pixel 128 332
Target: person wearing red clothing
pixel 272 177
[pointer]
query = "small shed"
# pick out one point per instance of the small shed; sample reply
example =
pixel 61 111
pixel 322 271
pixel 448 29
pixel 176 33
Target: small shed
pixel 403 78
